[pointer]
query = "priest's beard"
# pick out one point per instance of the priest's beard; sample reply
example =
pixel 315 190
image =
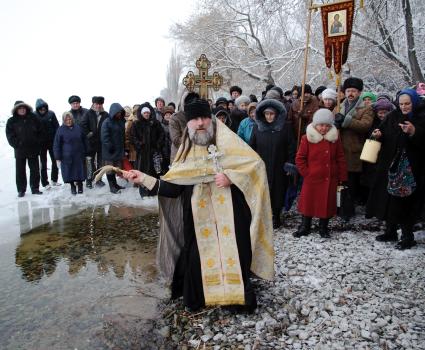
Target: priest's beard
pixel 201 138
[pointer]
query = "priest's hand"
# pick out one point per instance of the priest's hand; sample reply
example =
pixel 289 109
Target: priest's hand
pixel 134 176
pixel 222 180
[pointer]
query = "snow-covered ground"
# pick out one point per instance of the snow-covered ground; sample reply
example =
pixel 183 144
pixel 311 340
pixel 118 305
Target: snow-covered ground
pixel 19 215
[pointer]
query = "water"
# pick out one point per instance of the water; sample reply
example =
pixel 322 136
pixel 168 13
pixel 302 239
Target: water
pixel 81 282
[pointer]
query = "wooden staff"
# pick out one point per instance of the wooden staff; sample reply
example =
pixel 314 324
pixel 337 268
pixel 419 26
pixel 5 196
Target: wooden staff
pixel 305 72
pixel 338 83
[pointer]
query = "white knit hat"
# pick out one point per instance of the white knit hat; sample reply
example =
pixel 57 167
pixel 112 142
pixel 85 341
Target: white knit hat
pixel 329 93
pixel 242 99
pixel 323 116
pixel 145 109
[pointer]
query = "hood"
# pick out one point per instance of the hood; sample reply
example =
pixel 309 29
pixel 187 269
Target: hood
pixel 21 104
pixel 278 123
pixel 114 109
pixel 41 103
pixel 148 105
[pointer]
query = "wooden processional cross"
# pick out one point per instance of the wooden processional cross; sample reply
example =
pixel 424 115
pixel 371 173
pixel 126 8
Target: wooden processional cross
pixel 202 80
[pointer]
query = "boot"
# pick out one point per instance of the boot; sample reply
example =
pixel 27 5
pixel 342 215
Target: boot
pixel 276 221
pixel 100 183
pixel 304 228
pixel 111 180
pixel 407 240
pixel 73 188
pixel 118 187
pixel 390 234
pixel 323 228
pixel 89 183
pixel 80 187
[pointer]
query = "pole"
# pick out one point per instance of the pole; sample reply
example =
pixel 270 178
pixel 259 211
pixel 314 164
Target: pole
pixel 305 71
pixel 338 83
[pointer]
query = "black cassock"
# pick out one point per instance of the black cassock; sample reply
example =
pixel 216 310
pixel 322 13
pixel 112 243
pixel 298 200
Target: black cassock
pixel 187 278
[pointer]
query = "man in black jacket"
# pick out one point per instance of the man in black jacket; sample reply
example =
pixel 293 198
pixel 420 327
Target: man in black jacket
pixel 76 109
pixel 49 124
pixel 24 133
pixel 91 124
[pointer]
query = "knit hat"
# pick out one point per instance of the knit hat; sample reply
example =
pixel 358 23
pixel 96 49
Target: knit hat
pixel 329 94
pixel 251 106
pixel 369 94
pixel 352 82
pixel 242 99
pixel 287 93
pixel 145 109
pixel 420 89
pixel 270 109
pixel 67 114
pixel 221 110
pixel 74 98
pixel 272 94
pixel 221 100
pixel 384 96
pixel 278 89
pixel 98 99
pixel 323 116
pixel 383 105
pixel 320 90
pixel 235 88
pixel 197 108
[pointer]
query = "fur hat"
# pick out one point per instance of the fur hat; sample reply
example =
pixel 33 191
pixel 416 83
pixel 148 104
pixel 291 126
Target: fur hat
pixel 329 94
pixel 308 89
pixel 197 108
pixel 74 98
pixel 235 88
pixel 98 99
pixel 242 99
pixel 352 82
pixel 169 109
pixel 323 116
pixel 320 90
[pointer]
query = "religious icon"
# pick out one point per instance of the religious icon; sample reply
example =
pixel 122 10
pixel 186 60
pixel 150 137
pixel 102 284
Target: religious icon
pixel 337 23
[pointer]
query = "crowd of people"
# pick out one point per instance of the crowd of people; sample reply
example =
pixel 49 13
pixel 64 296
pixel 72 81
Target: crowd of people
pixel 313 144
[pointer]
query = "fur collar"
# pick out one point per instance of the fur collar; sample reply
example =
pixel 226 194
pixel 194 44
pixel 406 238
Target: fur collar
pixel 314 136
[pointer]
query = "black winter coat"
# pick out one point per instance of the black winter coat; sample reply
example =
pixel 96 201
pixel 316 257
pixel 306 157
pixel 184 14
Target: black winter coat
pixel 275 144
pixel 49 123
pixel 147 137
pixel 79 115
pixel 236 116
pixel 25 135
pixel 380 203
pixel 91 125
pixel 113 135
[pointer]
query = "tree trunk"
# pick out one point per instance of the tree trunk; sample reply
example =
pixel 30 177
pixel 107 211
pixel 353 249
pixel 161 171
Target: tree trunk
pixel 416 72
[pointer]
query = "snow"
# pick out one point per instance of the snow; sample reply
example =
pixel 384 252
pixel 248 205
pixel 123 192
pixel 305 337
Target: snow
pixel 20 215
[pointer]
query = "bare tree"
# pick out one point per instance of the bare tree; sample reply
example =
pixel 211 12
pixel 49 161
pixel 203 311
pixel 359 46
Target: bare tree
pixel 173 77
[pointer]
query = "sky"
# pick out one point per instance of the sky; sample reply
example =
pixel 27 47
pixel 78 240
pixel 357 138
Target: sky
pixel 52 49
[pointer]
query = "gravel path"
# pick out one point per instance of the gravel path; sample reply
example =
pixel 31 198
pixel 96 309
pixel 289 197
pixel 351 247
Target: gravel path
pixel 347 292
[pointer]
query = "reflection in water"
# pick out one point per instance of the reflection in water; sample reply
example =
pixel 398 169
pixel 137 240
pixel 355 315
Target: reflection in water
pixel 113 241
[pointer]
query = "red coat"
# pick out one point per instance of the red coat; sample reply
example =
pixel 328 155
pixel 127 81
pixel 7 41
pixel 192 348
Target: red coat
pixel 322 165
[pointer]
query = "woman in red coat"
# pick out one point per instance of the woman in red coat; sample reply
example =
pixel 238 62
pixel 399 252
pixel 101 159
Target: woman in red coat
pixel 320 161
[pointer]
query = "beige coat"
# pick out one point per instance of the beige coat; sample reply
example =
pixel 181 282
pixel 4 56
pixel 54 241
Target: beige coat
pixel 176 126
pixel 132 154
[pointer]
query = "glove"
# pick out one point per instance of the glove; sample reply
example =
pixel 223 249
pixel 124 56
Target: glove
pixel 290 168
pixel 339 119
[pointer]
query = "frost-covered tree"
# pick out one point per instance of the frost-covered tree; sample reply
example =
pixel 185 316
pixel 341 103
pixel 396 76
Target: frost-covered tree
pixel 173 77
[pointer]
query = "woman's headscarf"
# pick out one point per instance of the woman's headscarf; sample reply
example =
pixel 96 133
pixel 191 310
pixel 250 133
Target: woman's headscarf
pixel 414 97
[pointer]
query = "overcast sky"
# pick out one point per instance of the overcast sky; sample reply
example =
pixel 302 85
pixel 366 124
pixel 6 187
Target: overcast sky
pixel 56 48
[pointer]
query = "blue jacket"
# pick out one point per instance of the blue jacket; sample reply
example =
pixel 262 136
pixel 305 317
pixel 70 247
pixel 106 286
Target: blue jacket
pixel 245 129
pixel 112 134
pixel 70 147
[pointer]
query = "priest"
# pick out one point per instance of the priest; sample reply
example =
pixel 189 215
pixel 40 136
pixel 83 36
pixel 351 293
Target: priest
pixel 219 229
